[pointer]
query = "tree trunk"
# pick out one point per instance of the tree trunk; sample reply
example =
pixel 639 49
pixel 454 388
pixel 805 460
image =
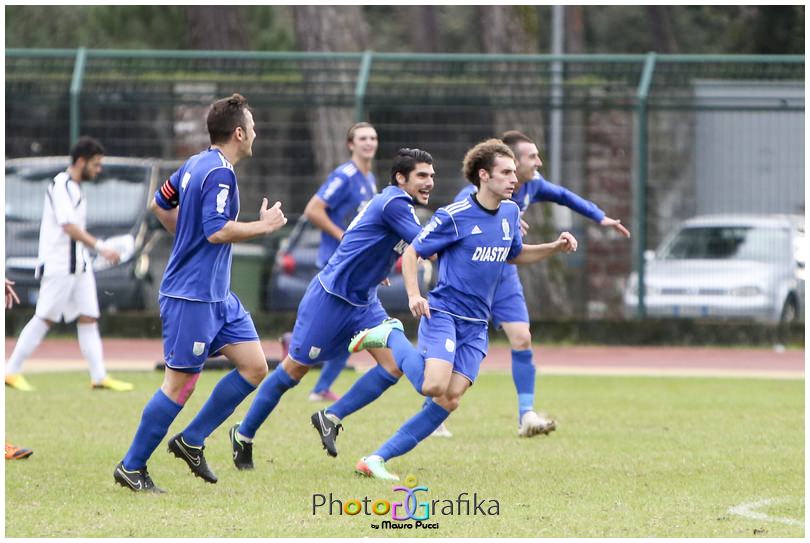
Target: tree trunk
pixel 504 30
pixel 214 28
pixel 663 36
pixel 337 29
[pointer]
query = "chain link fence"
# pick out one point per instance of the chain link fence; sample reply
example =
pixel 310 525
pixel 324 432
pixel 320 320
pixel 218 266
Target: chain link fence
pixel 653 140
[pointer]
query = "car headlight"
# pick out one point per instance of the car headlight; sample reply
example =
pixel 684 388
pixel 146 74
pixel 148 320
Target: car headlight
pixel 745 291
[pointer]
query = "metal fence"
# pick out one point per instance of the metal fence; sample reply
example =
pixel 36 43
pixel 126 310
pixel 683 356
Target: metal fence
pixel 652 139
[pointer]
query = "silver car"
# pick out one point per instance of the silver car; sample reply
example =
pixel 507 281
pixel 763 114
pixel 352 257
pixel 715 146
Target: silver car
pixel 726 266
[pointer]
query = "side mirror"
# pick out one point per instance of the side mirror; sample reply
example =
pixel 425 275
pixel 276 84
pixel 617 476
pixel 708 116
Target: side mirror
pixel 649 255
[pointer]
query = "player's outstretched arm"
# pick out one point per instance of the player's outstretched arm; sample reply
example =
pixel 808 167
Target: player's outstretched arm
pixel 530 254
pixel 410 275
pixel 315 212
pixel 78 233
pixel 270 220
pixel 167 217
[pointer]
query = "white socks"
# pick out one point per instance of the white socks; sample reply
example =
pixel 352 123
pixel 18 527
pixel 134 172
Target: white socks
pixel 30 337
pixel 90 344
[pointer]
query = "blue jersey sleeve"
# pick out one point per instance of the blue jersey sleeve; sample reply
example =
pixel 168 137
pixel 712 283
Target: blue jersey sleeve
pixel 334 190
pixel 217 191
pixel 400 216
pixel 439 233
pixel 544 191
pixel 168 195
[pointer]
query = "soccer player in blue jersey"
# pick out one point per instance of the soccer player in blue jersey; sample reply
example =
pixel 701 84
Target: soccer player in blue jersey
pixel 199 203
pixel 339 199
pixel 509 310
pixel 342 299
pixel 474 239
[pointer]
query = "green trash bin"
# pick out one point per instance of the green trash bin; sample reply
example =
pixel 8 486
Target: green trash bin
pixel 246 274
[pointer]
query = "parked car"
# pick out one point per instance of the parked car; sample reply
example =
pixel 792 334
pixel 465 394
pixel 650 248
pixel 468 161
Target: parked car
pixel 726 266
pixel 118 208
pixel 295 266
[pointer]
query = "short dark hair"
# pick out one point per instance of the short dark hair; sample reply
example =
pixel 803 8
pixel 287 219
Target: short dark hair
pixel 483 156
pixel 86 148
pixel 353 129
pixel 225 116
pixel 406 160
pixel 513 137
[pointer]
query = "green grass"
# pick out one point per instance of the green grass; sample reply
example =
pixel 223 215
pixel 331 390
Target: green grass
pixel 632 457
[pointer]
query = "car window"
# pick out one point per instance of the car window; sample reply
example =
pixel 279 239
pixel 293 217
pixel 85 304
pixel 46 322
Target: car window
pixel 727 243
pixel 118 194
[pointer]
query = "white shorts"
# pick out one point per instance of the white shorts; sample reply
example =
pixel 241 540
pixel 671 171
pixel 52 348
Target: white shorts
pixel 67 296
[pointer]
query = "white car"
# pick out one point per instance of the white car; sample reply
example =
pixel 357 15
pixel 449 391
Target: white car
pixel 726 266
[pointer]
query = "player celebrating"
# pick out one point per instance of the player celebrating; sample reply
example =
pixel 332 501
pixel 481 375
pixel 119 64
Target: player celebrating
pixel 509 309
pixel 67 284
pixel 342 299
pixel 474 238
pixel 200 315
pixel 331 209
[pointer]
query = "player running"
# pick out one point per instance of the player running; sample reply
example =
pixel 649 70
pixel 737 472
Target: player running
pixel 347 189
pixel 474 238
pixel 342 299
pixel 199 313
pixel 509 310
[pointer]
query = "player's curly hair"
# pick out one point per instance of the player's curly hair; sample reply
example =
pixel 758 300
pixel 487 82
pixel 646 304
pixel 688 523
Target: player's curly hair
pixel 406 160
pixel 225 116
pixel 483 156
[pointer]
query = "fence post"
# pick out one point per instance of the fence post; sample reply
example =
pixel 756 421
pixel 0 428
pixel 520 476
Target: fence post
pixel 362 83
pixel 640 179
pixel 75 93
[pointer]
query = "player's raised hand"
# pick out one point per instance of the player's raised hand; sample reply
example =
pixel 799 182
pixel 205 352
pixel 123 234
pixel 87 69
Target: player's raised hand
pixel 567 242
pixel 273 217
pixel 418 306
pixel 617 225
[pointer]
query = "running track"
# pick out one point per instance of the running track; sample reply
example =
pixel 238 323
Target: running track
pixel 141 354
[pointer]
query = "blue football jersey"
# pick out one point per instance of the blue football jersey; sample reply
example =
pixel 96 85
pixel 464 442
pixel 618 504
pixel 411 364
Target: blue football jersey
pixel 473 245
pixel 537 189
pixel 373 242
pixel 345 191
pixel 205 189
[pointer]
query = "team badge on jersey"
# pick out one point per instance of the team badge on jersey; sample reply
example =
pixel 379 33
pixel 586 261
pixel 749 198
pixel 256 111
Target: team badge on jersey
pixel 199 348
pixel 505 227
pixel 314 352
pixel 449 345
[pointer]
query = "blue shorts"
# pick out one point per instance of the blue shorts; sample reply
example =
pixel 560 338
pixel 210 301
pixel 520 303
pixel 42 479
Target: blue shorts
pixel 194 330
pixel 461 342
pixel 326 324
pixel 509 303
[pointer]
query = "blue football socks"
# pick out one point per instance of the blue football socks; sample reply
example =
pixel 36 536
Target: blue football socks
pixel 227 394
pixel 523 373
pixel 330 372
pixel 266 399
pixel 364 391
pixel 408 359
pixel 157 416
pixel 412 432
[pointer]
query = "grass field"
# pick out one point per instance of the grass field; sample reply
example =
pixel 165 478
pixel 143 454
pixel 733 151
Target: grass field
pixel 632 457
